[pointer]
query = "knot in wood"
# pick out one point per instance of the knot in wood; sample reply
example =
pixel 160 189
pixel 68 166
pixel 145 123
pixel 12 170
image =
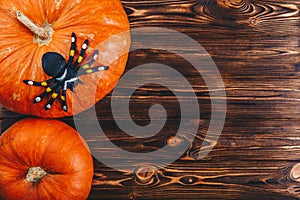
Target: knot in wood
pixel 188 180
pixel 174 141
pixel 231 4
pixel 234 10
pixel 295 173
pixel 146 175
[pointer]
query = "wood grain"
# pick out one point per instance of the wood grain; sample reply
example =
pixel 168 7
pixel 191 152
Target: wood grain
pixel 255 45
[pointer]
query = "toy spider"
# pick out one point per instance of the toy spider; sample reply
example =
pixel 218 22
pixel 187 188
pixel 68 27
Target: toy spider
pixel 64 74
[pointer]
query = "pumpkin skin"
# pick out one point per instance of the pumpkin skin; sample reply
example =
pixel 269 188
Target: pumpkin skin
pixel 20 54
pixel 53 146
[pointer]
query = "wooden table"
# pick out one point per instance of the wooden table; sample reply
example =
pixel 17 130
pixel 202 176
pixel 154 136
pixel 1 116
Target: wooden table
pixel 255 45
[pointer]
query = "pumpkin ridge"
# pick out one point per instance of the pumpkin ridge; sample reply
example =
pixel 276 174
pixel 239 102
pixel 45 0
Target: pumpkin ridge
pixel 11 70
pixel 12 47
pixel 62 12
pixel 59 6
pixel 31 62
pixel 29 66
pixel 51 185
pixel 17 155
pixel 7 161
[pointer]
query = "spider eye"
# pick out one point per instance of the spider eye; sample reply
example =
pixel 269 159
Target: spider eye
pixel 53 64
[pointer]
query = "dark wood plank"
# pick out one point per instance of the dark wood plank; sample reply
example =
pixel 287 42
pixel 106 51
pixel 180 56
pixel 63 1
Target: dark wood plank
pixel 255 45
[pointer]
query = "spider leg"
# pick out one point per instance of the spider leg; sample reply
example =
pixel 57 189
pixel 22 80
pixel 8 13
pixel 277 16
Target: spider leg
pixel 69 81
pixel 63 100
pixel 87 65
pixel 72 49
pixel 92 70
pixel 64 93
pixel 43 94
pixel 81 82
pixel 36 83
pixel 53 97
pixel 82 52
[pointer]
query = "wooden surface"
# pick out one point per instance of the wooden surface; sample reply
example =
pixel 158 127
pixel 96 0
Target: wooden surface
pixel 255 45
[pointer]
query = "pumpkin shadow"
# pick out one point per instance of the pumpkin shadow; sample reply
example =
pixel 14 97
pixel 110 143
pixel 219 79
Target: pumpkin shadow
pixel 8 118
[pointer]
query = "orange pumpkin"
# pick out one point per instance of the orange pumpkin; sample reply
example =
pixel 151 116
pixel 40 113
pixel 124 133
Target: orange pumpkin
pixel 44 159
pixel 31 28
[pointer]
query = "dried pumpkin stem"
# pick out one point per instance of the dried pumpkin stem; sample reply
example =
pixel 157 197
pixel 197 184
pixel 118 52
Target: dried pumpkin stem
pixel 34 174
pixel 37 30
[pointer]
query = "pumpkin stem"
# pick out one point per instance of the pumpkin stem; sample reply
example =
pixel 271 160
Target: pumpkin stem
pixel 34 174
pixel 42 35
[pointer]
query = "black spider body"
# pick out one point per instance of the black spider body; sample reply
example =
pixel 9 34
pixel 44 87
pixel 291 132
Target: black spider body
pixel 53 64
pixel 65 75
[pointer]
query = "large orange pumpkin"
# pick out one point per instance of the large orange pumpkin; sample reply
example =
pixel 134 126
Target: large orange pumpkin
pixel 21 50
pixel 44 159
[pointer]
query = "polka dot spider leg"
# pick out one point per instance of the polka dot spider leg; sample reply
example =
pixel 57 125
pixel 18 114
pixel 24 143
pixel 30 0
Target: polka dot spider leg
pixel 65 75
